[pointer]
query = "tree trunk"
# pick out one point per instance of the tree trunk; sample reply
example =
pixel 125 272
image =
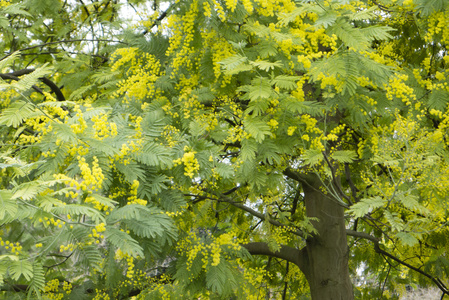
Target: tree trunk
pixel 326 261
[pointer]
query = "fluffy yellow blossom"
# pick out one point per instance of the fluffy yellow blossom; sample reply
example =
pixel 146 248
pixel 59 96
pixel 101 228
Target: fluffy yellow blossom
pixel 191 165
pixel 291 130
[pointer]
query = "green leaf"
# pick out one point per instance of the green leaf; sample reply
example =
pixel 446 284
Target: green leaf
pixel 16 113
pixel 47 202
pixel 232 62
pixel 220 279
pixel 257 128
pixel 7 204
pixel 266 65
pixel 129 211
pixel 378 32
pixel 260 88
pixel 18 268
pixel 427 7
pixel 364 14
pixel 344 156
pixel 395 222
pixel 226 171
pixel 152 225
pixel 438 99
pixel 407 238
pixel 312 157
pixel 411 202
pixel 16 9
pixel 132 171
pixel 352 37
pixel 38 282
pixel 366 205
pixel 287 82
pixel 26 82
pixel 79 209
pixel 9 60
pixel 326 19
pixel 89 256
pixel 123 241
pixel 29 190
pixel 64 132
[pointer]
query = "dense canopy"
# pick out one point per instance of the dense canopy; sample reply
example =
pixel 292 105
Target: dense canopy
pixel 223 149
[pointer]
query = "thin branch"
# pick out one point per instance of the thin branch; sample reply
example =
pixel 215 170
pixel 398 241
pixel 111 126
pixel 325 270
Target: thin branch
pixel 377 248
pixel 60 263
pixel 251 211
pixel 67 41
pixel 261 216
pixel 437 281
pixel 335 180
pixel 54 88
pixel 159 19
pixel 12 77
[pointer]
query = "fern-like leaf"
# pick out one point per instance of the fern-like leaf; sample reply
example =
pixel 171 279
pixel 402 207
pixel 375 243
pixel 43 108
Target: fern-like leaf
pixel 123 241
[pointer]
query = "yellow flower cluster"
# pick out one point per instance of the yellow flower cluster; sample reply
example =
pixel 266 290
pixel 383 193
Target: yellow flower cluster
pixel 96 232
pixel 397 88
pixel 273 123
pixel 231 4
pixel 291 130
pixel 330 80
pixel 14 248
pixel 130 269
pixel 248 5
pixel 101 295
pixel 221 50
pixel 4 3
pixel 69 247
pixel 220 10
pixel 51 221
pixel 93 178
pixel 169 134
pixel 120 255
pixel 67 287
pixel 51 290
pixel 182 36
pixel 137 128
pixel 148 19
pixel 126 55
pixel 310 124
pixel 207 9
pixel 82 125
pixel 438 25
pixel 132 199
pixel 191 165
pixel 103 129
pixel 255 277
pixel 78 150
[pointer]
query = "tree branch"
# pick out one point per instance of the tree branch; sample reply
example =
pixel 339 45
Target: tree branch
pixel 287 253
pixel 12 77
pixel 249 210
pixel 362 235
pixel 54 88
pixel 354 189
pixel 66 41
pixel 437 281
pixel 261 216
pixel 377 248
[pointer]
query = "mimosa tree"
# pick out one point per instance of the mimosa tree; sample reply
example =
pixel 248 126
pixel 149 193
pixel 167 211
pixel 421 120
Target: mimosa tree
pixel 249 149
